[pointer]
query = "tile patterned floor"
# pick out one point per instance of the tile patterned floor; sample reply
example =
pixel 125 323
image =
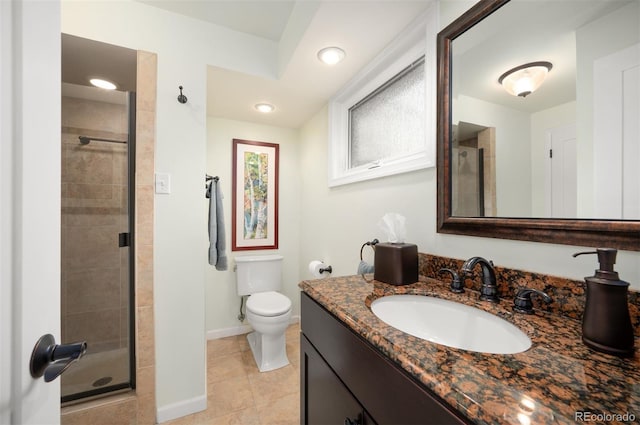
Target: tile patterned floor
pixel 239 394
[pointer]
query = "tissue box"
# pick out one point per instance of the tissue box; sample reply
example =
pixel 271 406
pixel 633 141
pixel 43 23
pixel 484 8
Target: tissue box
pixel 396 263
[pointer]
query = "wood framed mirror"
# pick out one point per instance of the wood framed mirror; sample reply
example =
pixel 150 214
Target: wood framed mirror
pixel 493 218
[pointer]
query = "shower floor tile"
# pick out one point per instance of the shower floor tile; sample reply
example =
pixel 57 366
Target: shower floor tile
pixel 96 370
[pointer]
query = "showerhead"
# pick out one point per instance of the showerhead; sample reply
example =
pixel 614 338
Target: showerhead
pixel 462 154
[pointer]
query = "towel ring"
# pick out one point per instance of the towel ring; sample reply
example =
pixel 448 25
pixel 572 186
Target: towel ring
pixel 372 244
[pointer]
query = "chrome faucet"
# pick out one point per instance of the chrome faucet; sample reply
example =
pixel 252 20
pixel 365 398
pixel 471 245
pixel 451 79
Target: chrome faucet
pixel 489 289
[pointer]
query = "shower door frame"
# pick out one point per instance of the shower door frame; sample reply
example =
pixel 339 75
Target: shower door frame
pixel 131 219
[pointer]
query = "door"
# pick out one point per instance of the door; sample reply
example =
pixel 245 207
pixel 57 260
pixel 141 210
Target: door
pixel 616 135
pixel 326 399
pixel 561 177
pixel 631 144
pixel 30 205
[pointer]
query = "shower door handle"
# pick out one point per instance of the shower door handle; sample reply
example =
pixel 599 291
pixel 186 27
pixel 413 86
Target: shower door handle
pixel 51 359
pixel 123 239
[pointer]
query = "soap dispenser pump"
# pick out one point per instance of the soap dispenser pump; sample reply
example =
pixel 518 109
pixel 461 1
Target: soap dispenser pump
pixel 606 324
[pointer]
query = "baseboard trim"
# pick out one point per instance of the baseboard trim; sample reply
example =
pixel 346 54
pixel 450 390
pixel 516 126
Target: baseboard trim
pixel 238 330
pixel 225 332
pixel 181 408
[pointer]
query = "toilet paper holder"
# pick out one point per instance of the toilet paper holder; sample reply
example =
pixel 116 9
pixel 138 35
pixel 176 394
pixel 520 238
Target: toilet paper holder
pixel 319 269
pixel 326 269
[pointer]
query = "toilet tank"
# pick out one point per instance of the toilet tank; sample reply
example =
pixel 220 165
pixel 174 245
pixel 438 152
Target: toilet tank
pixel 258 273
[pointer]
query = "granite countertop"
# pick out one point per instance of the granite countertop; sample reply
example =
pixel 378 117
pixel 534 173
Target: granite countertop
pixel 549 383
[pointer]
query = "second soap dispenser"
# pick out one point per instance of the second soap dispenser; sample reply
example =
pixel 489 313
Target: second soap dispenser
pixel 606 324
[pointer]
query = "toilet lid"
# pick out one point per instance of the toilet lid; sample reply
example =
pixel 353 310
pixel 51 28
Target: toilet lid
pixel 268 303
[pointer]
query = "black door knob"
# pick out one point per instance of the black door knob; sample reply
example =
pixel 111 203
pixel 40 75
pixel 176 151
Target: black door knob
pixel 51 359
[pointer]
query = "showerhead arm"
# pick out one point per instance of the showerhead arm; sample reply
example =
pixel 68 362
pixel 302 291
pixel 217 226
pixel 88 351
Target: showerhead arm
pixel 84 140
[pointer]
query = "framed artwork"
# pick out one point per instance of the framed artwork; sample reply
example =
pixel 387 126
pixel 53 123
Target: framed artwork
pixel 254 217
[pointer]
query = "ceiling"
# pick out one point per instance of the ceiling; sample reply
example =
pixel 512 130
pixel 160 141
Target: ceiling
pixel 262 18
pixel 513 36
pixel 299 29
pixel 306 84
pixel 83 59
pixel 362 28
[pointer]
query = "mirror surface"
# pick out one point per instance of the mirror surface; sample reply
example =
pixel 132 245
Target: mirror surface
pixel 509 198
pixel 571 148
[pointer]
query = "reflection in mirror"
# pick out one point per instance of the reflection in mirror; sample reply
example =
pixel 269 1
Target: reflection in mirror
pixel 512 195
pixel 570 148
pixel 473 171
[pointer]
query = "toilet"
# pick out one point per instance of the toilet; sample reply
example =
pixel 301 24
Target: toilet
pixel 268 311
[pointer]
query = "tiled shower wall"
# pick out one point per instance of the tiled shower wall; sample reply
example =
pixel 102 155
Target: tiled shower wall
pixel 95 272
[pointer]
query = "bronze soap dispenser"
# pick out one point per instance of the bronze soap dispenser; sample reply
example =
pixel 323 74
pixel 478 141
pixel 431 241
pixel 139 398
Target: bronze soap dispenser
pixel 606 324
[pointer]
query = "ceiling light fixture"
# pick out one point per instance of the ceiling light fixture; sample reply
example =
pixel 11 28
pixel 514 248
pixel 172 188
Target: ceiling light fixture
pixel 103 84
pixel 265 108
pixel 331 55
pixel 525 79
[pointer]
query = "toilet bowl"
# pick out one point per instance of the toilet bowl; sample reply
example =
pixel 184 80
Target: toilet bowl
pixel 267 311
pixel 268 314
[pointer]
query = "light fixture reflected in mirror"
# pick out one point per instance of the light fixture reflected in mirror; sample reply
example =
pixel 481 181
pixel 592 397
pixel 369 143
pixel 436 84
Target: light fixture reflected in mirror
pixel 331 55
pixel 103 84
pixel 265 108
pixel 525 79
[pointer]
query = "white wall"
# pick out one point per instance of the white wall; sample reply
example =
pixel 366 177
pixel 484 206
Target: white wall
pixel 337 221
pixel 222 301
pixel 184 47
pixel 513 147
pixel 558 116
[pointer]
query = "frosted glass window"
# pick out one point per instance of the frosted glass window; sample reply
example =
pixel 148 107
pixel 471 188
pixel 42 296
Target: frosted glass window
pixel 389 122
pixel 382 122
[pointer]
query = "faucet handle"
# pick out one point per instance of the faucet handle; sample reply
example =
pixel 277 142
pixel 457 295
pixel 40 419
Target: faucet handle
pixel 522 303
pixel 456 283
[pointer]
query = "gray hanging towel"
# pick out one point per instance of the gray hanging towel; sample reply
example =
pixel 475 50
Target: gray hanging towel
pixel 217 254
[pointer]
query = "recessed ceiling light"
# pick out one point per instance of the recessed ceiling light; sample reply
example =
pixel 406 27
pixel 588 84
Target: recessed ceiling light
pixel 265 108
pixel 331 55
pixel 103 84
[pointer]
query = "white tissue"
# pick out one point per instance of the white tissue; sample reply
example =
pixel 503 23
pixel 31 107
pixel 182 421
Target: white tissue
pixel 314 268
pixel 393 226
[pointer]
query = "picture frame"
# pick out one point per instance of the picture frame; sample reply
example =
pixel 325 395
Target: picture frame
pixel 255 174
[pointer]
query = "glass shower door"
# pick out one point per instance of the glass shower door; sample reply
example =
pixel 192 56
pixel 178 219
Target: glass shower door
pixel 97 269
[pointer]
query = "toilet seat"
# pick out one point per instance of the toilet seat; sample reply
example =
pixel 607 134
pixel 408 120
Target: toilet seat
pixel 268 304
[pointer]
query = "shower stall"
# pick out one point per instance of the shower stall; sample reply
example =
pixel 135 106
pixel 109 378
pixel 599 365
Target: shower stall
pixel 473 177
pixel 97 227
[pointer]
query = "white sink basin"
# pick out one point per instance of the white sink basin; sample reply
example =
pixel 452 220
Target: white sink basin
pixel 451 324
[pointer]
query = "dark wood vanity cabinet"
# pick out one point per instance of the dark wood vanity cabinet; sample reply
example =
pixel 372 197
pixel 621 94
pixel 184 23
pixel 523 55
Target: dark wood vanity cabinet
pixel 327 400
pixel 345 380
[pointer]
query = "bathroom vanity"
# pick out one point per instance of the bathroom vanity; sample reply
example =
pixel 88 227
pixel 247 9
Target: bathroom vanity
pixel 356 369
pixel 345 380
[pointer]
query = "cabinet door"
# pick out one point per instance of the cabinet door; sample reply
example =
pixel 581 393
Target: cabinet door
pixel 325 399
